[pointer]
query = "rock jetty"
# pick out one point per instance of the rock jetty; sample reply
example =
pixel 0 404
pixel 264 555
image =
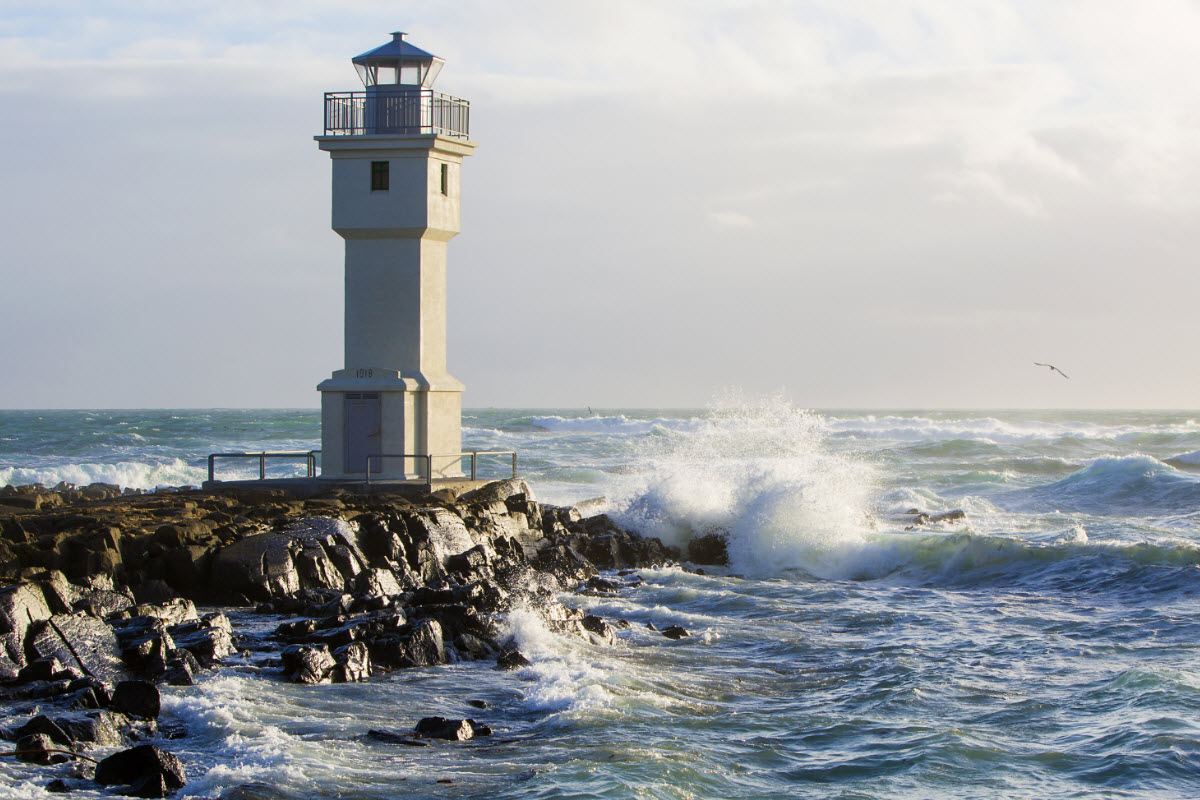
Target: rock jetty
pixel 108 594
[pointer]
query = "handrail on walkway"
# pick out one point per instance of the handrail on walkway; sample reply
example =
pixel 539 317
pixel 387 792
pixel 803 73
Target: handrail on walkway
pixel 429 457
pixel 309 456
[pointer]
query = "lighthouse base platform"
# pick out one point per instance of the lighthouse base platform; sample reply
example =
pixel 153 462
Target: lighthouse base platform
pixel 304 488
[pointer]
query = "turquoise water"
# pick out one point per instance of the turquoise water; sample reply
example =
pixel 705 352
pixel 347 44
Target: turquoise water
pixel 1043 647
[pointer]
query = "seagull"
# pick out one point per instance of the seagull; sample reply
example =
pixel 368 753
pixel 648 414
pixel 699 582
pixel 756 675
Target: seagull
pixel 1053 369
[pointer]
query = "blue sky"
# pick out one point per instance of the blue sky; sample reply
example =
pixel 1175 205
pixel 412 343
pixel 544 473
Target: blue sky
pixel 860 203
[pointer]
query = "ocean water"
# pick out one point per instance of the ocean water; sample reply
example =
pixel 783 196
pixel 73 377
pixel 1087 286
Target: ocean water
pixel 1043 647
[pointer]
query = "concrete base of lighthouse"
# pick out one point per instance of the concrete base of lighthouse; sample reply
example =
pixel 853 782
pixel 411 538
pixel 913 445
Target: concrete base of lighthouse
pixel 410 427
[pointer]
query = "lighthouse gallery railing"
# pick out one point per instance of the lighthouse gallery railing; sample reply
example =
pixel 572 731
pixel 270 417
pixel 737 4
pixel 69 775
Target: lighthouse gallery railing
pixel 414 112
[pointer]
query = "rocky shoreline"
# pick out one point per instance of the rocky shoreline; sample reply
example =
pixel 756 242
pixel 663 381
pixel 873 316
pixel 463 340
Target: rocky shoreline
pixel 102 586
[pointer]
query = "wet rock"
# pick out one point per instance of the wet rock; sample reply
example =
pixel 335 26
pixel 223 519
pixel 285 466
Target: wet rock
pixel 512 659
pixel 675 632
pixel 454 730
pixel 21 606
pixel 209 639
pixel 93 727
pixel 36 748
pixel 310 664
pixel 147 770
pixel 353 662
pixel 58 786
pixel 259 567
pixel 137 699
pixel 599 631
pixel 418 644
pixel 80 640
pixel 708 548
pixel 43 725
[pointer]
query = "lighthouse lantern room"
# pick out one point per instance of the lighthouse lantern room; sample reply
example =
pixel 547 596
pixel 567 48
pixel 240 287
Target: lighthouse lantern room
pixel 397 149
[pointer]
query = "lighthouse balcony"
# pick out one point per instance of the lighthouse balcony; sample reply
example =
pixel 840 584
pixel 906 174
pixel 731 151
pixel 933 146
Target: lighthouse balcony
pixel 406 112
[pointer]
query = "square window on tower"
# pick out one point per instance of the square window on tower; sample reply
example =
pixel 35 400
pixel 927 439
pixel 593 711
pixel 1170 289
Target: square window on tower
pixel 379 176
pixel 445 179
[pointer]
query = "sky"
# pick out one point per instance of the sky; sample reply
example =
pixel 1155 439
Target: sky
pixel 854 203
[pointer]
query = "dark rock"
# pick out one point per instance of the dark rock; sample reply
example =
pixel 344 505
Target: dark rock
pixel 418 644
pixel 139 768
pixel 307 663
pixel 454 730
pixel 396 738
pixel 36 748
pixel 600 632
pixel 353 662
pixel 58 786
pixel 675 632
pixel 709 548
pixel 209 639
pixel 259 566
pixel 42 724
pixel 512 659
pixel 94 727
pixel 80 640
pixel 137 699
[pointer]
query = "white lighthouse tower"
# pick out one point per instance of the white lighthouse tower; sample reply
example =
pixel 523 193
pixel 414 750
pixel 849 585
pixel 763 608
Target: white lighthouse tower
pixel 397 150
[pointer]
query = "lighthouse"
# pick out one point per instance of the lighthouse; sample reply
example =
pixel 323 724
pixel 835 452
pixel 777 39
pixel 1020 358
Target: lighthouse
pixel 397 150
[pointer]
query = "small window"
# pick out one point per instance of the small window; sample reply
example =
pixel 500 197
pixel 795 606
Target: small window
pixel 379 176
pixel 445 179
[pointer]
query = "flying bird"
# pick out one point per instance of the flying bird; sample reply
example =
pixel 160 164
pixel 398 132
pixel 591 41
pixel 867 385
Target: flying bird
pixel 1053 369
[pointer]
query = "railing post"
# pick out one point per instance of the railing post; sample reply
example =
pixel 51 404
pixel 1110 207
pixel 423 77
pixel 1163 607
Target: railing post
pixel 262 465
pixel 211 468
pixel 429 471
pixel 514 463
pixel 474 454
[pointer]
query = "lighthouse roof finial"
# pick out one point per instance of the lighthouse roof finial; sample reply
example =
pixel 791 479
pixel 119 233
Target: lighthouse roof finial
pixel 396 48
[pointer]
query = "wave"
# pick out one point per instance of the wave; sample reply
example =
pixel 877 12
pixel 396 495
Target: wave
pixel 136 474
pixel 1135 485
pixel 1006 432
pixel 619 424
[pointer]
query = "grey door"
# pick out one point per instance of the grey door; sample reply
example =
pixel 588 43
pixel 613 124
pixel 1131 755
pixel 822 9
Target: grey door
pixel 362 431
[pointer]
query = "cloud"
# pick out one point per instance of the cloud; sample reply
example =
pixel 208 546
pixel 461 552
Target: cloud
pixel 730 219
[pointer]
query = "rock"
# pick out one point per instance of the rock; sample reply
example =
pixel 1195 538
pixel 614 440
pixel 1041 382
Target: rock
pixel 93 727
pixel 58 786
pixel 377 583
pixel 708 548
pixel 418 644
pixel 307 663
pixel 599 631
pixel 41 724
pixel 259 567
pixel 675 632
pixel 137 699
pixel 512 659
pixel 454 730
pixel 353 662
pixel 209 639
pixel 20 607
pixel 82 641
pixel 146 769
pixel 35 748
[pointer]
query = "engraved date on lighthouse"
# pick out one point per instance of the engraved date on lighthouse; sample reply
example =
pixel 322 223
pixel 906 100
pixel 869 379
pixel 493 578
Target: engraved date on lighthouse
pixel 366 372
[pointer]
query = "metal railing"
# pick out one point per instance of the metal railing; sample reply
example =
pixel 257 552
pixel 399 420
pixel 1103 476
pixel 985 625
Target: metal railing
pixel 412 112
pixel 429 457
pixel 309 456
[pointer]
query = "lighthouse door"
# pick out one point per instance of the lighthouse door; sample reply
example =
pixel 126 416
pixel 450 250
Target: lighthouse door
pixel 362 431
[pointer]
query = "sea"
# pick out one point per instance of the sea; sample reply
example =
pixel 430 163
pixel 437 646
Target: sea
pixel 1044 645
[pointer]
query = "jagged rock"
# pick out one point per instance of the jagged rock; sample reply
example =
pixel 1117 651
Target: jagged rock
pixel 209 639
pixel 41 724
pixel 259 567
pixel 708 548
pixel 377 583
pixel 418 644
pixel 599 631
pixel 353 662
pixel 58 786
pixel 512 659
pixel 93 727
pixel 454 730
pixel 35 748
pixel 317 570
pixel 137 699
pixel 472 647
pixel 20 607
pixel 675 632
pixel 145 769
pixel 307 663
pixel 80 640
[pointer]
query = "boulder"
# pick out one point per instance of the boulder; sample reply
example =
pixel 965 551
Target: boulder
pixel 137 699
pixel 454 730
pixel 675 632
pixel 259 567
pixel 80 640
pixel 149 771
pixel 304 663
pixel 36 748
